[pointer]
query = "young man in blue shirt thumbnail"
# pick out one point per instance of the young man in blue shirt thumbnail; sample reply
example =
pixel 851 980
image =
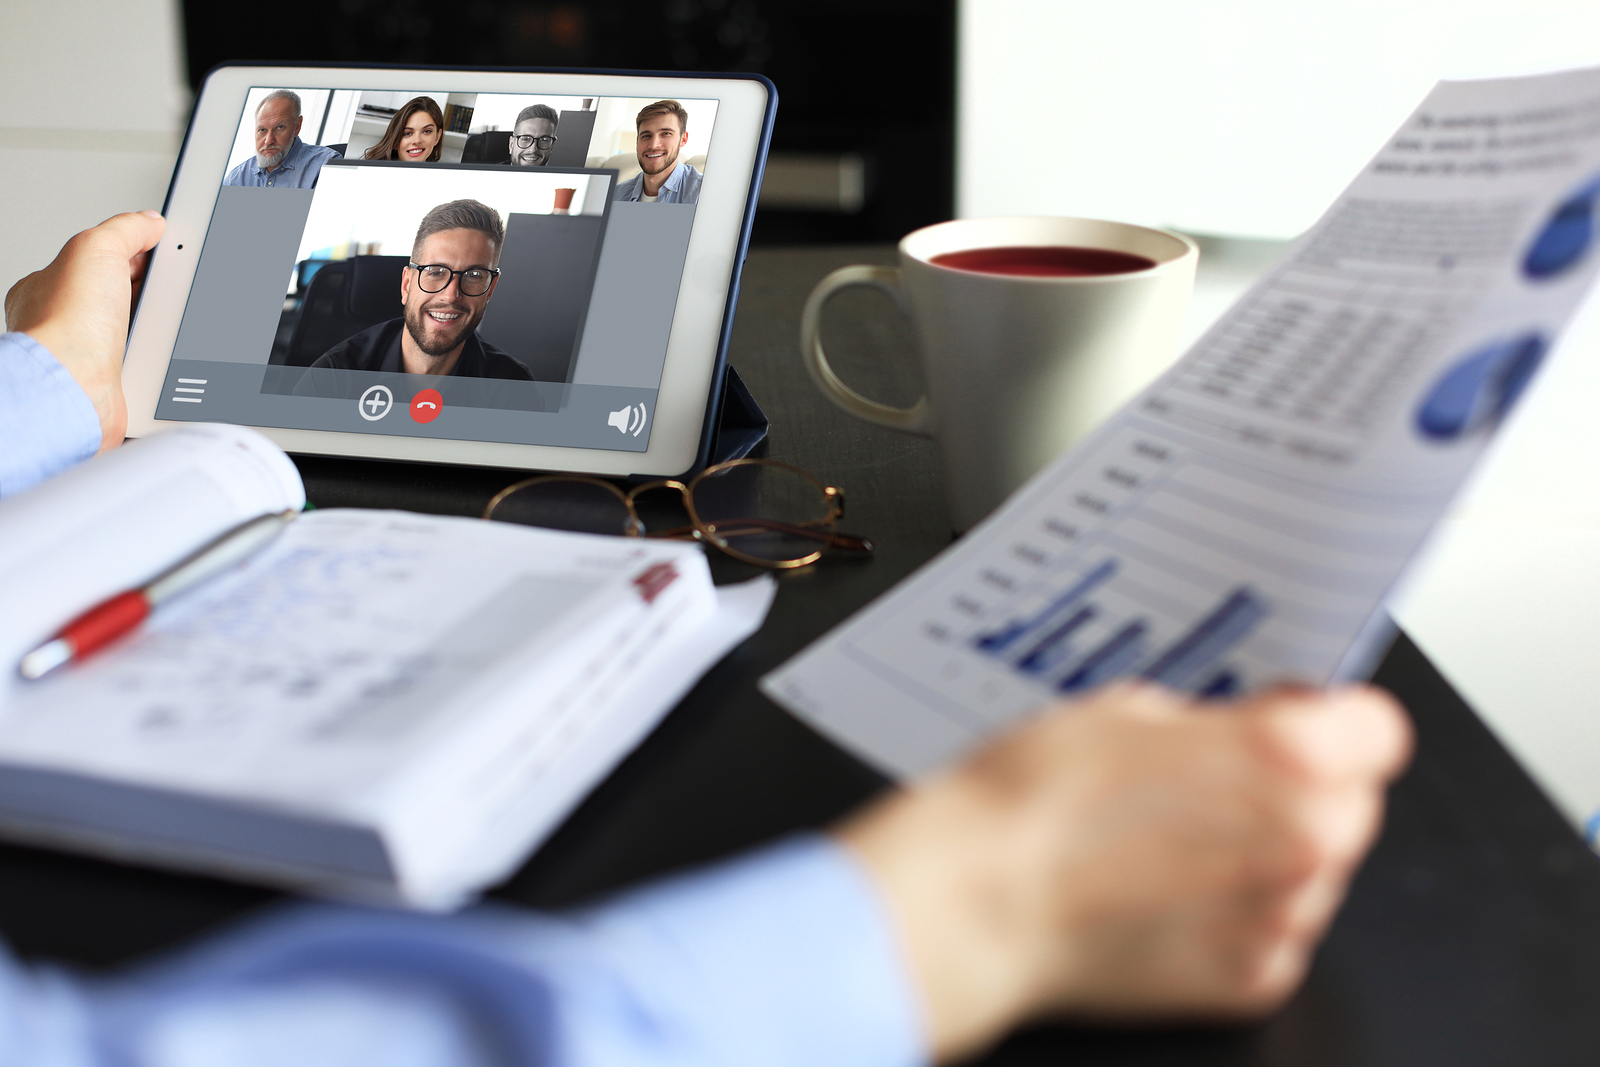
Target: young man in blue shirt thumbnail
pixel 282 160
pixel 663 130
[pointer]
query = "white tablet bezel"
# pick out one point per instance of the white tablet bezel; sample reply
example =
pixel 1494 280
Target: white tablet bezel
pixel 695 348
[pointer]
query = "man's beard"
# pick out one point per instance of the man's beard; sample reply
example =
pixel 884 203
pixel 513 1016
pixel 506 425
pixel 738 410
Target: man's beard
pixel 662 164
pixel 269 160
pixel 440 345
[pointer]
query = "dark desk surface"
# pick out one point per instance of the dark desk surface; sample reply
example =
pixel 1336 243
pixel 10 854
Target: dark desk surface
pixel 1472 935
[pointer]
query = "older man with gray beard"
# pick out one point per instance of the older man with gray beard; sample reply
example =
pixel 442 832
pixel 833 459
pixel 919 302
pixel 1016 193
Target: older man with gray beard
pixel 282 160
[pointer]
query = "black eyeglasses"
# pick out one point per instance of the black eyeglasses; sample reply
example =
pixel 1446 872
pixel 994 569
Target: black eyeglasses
pixel 526 140
pixel 435 278
pixel 760 511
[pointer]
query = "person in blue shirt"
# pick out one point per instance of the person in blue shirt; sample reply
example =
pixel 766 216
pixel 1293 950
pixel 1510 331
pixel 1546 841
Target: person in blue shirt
pixel 282 160
pixel 1120 857
pixel 663 130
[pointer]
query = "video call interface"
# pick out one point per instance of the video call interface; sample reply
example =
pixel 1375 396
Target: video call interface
pixel 470 266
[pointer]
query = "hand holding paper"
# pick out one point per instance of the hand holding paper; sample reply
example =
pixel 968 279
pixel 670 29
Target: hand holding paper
pixel 1128 857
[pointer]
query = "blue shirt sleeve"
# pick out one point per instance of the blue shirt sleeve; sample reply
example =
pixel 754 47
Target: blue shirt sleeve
pixel 47 423
pixel 782 958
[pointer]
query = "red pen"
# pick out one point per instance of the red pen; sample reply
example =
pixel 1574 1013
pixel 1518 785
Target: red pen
pixel 110 619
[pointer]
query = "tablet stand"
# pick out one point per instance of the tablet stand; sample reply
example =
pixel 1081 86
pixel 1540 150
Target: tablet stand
pixel 741 424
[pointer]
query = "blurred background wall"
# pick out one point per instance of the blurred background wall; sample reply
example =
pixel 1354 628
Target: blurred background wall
pixel 96 106
pixel 1234 117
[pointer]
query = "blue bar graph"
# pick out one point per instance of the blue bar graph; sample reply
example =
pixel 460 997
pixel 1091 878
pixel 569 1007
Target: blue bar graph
pixel 1001 640
pixel 1052 650
pixel 1108 661
pixel 1078 641
pixel 1221 686
pixel 1210 638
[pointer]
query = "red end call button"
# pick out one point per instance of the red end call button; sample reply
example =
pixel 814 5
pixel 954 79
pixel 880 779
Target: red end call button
pixel 426 405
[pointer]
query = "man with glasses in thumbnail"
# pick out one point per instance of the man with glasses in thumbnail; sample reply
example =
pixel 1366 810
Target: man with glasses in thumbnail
pixel 445 290
pixel 282 160
pixel 663 129
pixel 534 135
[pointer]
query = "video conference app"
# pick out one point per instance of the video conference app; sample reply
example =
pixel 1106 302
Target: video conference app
pixel 468 266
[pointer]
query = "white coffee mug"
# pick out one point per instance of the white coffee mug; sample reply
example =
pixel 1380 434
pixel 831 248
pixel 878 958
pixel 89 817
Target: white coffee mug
pixel 1018 367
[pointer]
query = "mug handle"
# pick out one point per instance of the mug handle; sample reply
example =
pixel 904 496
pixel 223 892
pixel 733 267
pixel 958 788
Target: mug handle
pixel 915 419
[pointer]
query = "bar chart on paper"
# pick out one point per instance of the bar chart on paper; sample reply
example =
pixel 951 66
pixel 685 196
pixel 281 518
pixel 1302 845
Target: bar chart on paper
pixel 1236 525
pixel 1146 559
pixel 1042 645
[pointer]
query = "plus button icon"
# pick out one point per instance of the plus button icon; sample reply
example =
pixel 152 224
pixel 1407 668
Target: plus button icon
pixel 375 403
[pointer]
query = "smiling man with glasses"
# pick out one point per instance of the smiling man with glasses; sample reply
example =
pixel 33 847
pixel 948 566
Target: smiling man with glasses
pixel 445 290
pixel 534 135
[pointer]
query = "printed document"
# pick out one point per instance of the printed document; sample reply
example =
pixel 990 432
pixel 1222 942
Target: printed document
pixel 1241 521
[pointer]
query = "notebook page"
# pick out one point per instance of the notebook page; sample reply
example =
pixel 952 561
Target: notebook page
pixel 1240 522
pixel 558 778
pixel 122 517
pixel 358 643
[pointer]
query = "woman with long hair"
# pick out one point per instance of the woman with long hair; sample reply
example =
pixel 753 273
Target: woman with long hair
pixel 415 134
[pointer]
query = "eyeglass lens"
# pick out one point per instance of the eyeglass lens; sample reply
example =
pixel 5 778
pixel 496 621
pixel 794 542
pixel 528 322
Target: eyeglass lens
pixel 436 279
pixel 566 504
pixel 765 510
pixel 525 140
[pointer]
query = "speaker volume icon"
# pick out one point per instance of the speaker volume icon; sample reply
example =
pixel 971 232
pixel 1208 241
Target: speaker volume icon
pixel 629 420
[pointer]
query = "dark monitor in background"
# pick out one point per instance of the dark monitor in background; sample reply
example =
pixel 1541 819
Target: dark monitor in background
pixel 869 86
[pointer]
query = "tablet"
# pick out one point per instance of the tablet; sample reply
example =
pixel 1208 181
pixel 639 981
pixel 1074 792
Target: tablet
pixel 520 269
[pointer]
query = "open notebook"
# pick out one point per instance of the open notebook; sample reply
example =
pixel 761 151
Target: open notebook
pixel 380 704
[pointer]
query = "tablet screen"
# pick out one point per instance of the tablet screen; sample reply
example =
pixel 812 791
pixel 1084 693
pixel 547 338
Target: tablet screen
pixel 471 266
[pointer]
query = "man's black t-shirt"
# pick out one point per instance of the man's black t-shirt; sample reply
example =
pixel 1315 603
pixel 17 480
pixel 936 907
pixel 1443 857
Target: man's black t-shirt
pixel 378 349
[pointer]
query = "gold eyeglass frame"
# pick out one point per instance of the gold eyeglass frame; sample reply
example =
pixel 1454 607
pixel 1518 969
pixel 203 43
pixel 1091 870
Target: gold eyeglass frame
pixel 707 532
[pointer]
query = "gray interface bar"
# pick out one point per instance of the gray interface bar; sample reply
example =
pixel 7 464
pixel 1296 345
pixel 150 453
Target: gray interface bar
pixel 618 418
